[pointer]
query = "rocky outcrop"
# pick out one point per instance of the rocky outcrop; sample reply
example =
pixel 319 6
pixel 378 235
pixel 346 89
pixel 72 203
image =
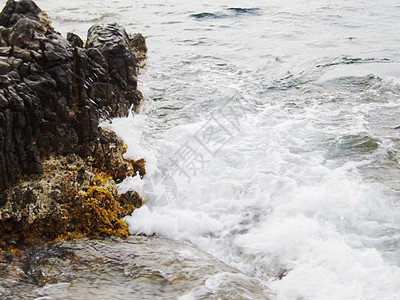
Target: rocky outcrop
pixel 53 155
pixel 74 197
pixel 138 45
pixel 53 91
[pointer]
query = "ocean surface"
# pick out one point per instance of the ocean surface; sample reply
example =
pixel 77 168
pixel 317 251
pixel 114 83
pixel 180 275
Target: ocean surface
pixel 271 134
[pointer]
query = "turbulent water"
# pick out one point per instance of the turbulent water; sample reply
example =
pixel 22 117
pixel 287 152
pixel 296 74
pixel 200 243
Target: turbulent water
pixel 271 132
pixel 118 269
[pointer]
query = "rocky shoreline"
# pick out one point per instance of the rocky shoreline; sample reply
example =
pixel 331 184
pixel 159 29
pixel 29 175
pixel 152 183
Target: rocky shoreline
pixel 58 168
pixel 61 229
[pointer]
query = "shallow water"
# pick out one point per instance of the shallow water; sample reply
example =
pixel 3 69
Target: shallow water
pixel 111 268
pixel 271 135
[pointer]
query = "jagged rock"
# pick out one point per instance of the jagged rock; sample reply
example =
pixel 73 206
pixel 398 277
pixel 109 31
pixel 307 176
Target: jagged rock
pixel 108 157
pixel 75 40
pixel 72 197
pixel 112 41
pixel 53 92
pixel 138 44
pixel 15 10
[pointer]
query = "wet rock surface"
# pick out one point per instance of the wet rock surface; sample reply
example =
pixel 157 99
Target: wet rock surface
pixel 138 44
pixel 112 268
pixel 58 168
pixel 74 197
pixel 53 91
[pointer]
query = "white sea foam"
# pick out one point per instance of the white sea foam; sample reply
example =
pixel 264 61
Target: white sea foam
pixel 304 191
pixel 269 205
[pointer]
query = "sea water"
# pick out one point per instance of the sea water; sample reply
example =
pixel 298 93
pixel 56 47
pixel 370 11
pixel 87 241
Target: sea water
pixel 271 134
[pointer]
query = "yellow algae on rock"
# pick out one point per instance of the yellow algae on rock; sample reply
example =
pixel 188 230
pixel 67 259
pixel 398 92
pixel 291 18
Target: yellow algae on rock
pixel 74 197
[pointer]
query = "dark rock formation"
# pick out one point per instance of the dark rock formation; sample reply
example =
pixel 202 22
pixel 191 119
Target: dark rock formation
pixel 55 161
pixel 138 45
pixel 53 92
pixel 14 11
pixel 74 197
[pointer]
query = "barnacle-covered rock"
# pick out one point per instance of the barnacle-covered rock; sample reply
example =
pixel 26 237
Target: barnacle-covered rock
pixel 72 198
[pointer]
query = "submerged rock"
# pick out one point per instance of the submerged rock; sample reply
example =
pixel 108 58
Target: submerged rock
pixel 55 160
pixel 134 268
